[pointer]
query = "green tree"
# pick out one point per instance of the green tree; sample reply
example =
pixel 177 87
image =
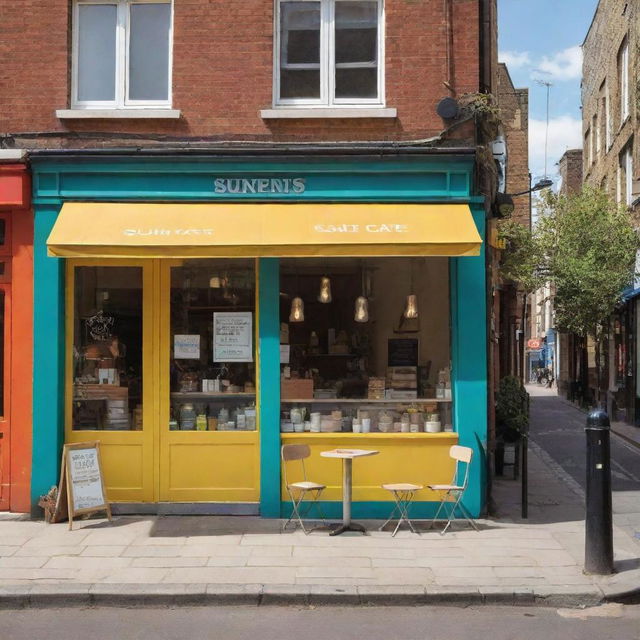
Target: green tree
pixel 585 246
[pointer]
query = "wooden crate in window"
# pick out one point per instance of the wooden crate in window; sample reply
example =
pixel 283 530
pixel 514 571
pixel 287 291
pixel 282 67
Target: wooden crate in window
pixel 296 388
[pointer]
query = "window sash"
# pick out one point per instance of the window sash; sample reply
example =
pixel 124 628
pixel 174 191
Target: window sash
pixel 327 63
pixel 624 82
pixel 628 162
pixel 122 56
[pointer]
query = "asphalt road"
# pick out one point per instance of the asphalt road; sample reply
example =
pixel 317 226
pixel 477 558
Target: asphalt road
pixel 559 429
pixel 611 622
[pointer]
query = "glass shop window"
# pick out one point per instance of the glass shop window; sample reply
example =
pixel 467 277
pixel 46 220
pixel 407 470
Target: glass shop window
pixel 212 351
pixel 365 345
pixel 107 349
pixel 329 52
pixel 5 235
pixel 121 53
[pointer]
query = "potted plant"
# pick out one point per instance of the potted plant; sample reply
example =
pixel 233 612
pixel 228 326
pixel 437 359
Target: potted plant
pixel 512 416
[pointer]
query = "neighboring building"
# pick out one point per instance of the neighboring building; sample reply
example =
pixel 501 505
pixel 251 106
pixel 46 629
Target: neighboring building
pixel 570 347
pixel 611 68
pixel 509 308
pixel 215 186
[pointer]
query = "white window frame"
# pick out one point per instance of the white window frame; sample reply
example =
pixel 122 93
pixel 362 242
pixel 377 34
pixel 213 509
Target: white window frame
pixel 623 58
pixel 608 122
pixel 327 62
pixel 627 188
pixel 121 100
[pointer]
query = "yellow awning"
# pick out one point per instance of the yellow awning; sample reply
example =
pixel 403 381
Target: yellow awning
pixel 151 230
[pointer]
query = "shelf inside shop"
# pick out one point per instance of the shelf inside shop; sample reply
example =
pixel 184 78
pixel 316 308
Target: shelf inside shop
pixel 220 308
pixel 392 435
pixel 362 400
pixel 331 355
pixel 217 395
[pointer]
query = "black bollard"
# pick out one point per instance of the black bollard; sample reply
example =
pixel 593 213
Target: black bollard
pixel 598 548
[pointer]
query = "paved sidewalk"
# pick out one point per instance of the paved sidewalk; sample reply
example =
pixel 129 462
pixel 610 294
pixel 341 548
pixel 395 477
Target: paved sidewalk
pixel 170 559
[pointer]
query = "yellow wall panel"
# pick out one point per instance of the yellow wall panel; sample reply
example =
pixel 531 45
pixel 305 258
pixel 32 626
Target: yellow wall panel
pixel 416 458
pixel 214 471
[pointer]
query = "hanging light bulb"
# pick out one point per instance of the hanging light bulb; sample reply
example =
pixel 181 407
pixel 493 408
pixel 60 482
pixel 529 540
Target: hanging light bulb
pixel 411 310
pixel 214 282
pixel 362 310
pixel 325 290
pixel 297 310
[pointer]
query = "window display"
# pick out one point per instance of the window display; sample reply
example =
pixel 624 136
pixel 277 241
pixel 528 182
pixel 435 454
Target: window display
pixel 365 346
pixel 107 348
pixel 212 363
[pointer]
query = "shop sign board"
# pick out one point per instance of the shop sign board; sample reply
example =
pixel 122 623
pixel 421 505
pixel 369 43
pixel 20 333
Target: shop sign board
pixel 233 336
pixel 186 347
pixel 534 343
pixel 403 352
pixel 81 482
pixel 259 185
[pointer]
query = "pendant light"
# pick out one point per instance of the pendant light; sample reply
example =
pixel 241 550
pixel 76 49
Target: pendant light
pixel 214 282
pixel 297 310
pixel 297 306
pixel 362 309
pixel 325 290
pixel 411 308
pixel 362 304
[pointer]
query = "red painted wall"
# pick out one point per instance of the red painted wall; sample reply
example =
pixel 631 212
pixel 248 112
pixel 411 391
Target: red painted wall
pixel 14 201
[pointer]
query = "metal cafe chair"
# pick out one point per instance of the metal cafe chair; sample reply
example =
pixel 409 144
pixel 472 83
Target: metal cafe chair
pixel 452 493
pixel 403 494
pixel 298 490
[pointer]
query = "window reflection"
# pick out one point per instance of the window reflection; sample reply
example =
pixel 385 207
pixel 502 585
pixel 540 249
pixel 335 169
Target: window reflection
pixel 107 348
pixel 212 363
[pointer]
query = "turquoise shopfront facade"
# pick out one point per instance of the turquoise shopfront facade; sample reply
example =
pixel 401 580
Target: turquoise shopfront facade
pixel 60 178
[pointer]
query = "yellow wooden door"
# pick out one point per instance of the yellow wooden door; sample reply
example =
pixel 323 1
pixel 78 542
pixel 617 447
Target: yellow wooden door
pixel 128 455
pixel 199 466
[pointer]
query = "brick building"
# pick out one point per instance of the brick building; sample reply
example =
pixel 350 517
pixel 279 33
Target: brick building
pixel 569 346
pixel 201 171
pixel 509 302
pixel 216 80
pixel 609 100
pixel 611 67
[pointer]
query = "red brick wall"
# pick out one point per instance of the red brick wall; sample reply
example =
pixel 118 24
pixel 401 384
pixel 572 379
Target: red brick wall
pixel 514 113
pixel 570 167
pixel 222 73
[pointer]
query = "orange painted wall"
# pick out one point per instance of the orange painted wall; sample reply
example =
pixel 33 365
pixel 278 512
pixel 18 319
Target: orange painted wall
pixel 22 359
pixel 15 205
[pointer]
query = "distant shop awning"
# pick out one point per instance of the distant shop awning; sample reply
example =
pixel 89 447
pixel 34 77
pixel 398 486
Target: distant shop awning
pixel 153 230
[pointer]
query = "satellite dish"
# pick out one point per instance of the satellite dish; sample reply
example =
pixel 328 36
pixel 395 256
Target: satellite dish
pixel 447 108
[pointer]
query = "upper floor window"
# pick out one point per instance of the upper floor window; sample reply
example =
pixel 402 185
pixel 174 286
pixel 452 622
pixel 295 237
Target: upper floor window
pixel 623 72
pixel 121 54
pixel 625 176
pixel 329 52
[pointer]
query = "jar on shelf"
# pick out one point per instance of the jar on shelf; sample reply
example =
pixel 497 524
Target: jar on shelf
pixel 187 417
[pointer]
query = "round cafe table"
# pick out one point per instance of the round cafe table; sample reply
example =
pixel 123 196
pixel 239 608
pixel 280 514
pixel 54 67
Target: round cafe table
pixel 347 456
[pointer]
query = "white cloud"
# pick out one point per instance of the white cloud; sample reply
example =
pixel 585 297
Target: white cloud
pixel 565 132
pixel 564 65
pixel 515 59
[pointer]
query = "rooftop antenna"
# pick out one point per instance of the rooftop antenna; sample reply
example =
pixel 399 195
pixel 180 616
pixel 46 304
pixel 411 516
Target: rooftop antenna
pixel 548 85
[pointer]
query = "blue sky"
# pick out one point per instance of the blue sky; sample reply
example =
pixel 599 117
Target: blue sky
pixel 540 40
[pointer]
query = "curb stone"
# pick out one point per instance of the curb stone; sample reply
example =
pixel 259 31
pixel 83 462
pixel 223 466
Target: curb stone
pixel 157 595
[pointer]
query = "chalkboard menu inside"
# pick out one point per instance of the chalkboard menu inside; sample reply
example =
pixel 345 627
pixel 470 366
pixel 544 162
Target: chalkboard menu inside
pixel 403 352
